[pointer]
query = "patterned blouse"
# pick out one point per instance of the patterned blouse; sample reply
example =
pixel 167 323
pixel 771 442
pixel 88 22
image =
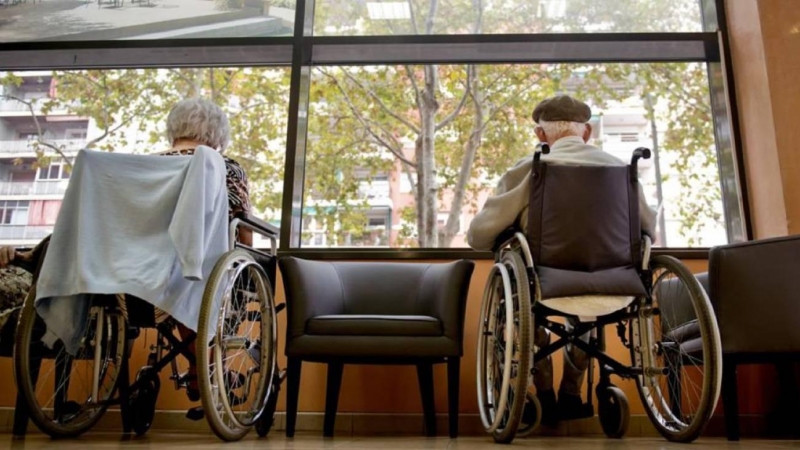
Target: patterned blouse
pixel 236 179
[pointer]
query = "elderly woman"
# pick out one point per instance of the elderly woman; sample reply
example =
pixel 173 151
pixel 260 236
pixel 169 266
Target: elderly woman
pixel 191 123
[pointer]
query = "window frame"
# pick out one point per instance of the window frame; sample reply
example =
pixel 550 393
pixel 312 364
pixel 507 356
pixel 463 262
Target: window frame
pixel 302 51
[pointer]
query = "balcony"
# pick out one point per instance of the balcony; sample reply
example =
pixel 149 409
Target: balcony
pixel 15 107
pixel 374 189
pixel 24 146
pixel 25 232
pixel 30 189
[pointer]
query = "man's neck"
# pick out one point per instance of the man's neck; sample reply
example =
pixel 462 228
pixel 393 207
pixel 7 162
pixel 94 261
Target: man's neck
pixel 567 139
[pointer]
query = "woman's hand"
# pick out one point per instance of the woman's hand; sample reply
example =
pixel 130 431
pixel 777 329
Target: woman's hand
pixel 10 254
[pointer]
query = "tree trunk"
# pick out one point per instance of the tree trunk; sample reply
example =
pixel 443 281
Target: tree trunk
pixel 465 172
pixel 429 235
pixel 419 192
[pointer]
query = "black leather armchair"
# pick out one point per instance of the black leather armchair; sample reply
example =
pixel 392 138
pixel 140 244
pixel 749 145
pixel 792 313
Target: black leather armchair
pixel 753 287
pixel 375 313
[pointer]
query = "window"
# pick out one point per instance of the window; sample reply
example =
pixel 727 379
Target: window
pixel 149 20
pixel 385 136
pixel 402 115
pixel 377 222
pixel 334 17
pixel 76 134
pixel 53 172
pixel 13 212
pixel 254 98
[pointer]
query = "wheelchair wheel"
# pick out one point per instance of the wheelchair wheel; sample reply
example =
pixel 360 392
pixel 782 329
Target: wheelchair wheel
pixel 676 340
pixel 67 394
pixel 613 411
pixel 505 348
pixel 236 345
pixel 143 401
pixel 531 416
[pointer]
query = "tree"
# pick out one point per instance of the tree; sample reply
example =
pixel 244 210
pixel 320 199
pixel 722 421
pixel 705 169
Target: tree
pixel 450 130
pixel 457 118
pixel 129 107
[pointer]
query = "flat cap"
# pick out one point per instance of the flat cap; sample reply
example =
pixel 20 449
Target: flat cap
pixel 562 108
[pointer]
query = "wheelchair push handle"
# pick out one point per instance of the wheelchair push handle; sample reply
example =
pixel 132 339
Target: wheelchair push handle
pixel 640 153
pixel 541 149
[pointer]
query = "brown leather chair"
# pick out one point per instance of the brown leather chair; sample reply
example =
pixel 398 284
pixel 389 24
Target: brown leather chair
pixel 375 313
pixel 754 289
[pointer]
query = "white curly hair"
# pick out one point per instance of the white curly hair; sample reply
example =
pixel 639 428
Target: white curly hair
pixel 200 120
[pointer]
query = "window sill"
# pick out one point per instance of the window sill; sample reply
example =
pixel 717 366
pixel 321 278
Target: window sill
pixel 336 254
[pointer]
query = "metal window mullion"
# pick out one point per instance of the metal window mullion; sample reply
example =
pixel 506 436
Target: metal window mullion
pixel 294 165
pixel 730 154
pixel 146 57
pixel 660 47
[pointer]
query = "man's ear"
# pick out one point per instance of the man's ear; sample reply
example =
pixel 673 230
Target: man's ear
pixel 587 134
pixel 540 134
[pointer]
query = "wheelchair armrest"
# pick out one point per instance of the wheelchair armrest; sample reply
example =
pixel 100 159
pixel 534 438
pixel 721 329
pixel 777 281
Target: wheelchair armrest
pixel 504 237
pixel 258 225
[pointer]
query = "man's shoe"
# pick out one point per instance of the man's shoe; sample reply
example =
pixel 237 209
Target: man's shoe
pixel 571 407
pixel 549 407
pixel 195 414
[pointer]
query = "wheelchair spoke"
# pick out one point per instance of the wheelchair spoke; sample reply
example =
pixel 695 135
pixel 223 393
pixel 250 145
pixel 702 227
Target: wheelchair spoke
pixel 241 363
pixel 675 330
pixel 62 398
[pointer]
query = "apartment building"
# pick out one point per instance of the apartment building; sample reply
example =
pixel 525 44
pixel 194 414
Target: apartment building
pixel 30 191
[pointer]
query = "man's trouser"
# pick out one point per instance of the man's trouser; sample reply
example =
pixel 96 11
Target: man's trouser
pixel 576 362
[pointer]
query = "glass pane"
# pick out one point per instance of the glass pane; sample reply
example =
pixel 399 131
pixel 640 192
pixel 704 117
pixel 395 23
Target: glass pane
pixel 79 20
pixel 410 17
pixel 131 118
pixel 425 146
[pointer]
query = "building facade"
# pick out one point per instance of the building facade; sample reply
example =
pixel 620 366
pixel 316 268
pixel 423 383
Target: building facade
pixel 33 176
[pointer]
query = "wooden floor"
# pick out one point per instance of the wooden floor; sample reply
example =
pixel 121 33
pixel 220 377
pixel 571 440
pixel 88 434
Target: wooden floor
pixel 159 441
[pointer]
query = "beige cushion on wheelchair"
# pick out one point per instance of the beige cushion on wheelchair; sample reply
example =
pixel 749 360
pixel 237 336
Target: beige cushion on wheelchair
pixel 589 307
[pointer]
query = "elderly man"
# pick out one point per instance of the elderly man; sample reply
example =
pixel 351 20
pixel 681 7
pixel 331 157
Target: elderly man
pixel 562 123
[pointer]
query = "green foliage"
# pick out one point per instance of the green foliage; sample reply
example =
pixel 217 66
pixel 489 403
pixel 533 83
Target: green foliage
pixel 129 108
pixel 450 130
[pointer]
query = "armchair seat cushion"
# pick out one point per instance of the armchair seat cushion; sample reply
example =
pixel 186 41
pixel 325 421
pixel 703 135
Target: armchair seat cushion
pixel 374 325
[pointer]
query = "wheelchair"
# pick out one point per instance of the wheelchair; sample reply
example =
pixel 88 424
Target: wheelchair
pixel 238 376
pixel 586 242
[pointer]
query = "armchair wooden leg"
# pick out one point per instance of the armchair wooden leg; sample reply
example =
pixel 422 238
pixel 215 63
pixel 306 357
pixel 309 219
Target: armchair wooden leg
pixel 425 376
pixel 453 384
pixel 332 396
pixel 730 399
pixel 294 365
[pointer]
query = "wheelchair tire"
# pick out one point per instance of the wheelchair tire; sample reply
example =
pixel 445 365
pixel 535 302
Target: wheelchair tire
pixel 510 325
pixel 143 401
pixel 531 416
pixel 66 414
pixel 238 293
pixel 690 348
pixel 613 411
